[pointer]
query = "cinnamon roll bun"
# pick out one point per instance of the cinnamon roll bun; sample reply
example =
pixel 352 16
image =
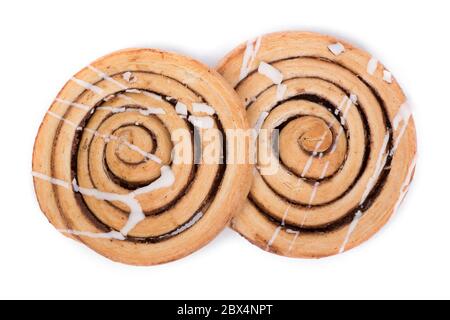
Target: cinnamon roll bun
pixel 345 139
pixel 118 162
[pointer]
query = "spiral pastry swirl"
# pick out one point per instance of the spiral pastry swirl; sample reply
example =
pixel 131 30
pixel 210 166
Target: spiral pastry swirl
pixel 110 171
pixel 345 136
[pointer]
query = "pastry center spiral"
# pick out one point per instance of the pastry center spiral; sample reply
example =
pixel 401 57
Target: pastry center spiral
pixel 315 134
pixel 303 139
pixel 136 136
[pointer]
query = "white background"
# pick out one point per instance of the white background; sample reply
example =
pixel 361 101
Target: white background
pixel 44 42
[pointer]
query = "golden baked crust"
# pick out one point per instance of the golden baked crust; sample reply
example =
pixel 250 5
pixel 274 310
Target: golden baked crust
pixel 104 165
pixel 347 143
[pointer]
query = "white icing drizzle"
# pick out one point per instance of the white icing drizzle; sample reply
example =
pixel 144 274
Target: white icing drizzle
pixel 372 66
pixel 308 165
pixel 110 97
pixel 188 225
pixel 274 237
pixel 347 102
pixel 67 185
pixel 94 193
pixel 107 138
pixel 344 107
pixel 314 193
pixel 381 162
pixel 259 123
pixel 283 222
pixel 251 51
pixel 149 111
pixel 54 181
pixel 72 104
pixel 125 97
pixel 337 48
pixel 166 179
pixel 70 123
pixel 113 109
pixel 129 77
pixel 335 144
pixel 324 171
pixel 181 109
pixel 353 98
pixel 403 117
pixel 110 235
pixel 270 72
pixel 104 76
pixel 286 213
pixel 87 85
pixel 202 122
pixel 281 91
pixel 203 108
pixel 345 113
pixel 146 155
pixel 153 95
pixel 133 91
pixel 136 213
pixel 278 230
pixel 351 229
pixel 317 184
pixel 405 186
pixel 315 153
pixel 275 76
pixel 296 235
pixel 387 76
